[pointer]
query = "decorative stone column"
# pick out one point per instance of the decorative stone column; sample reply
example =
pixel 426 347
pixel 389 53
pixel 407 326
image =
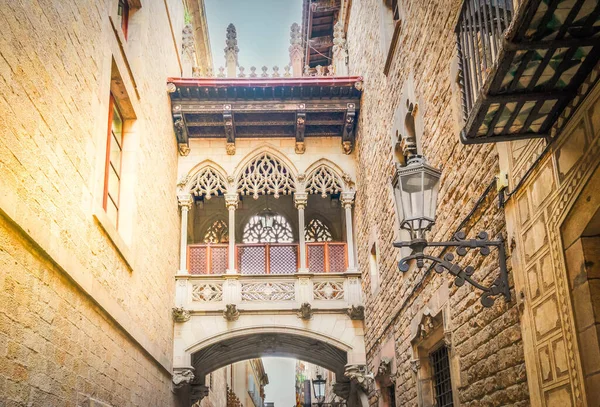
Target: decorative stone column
pixel 296 50
pixel 231 51
pixel 185 204
pixel 231 201
pixel 300 200
pixel 347 200
pixel 339 50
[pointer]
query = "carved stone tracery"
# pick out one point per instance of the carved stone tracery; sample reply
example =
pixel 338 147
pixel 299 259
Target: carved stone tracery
pixel 323 180
pixel 264 175
pixel 208 182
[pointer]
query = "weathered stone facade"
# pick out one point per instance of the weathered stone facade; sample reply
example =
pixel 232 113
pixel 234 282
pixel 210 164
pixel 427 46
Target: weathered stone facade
pixel 486 350
pixel 552 220
pixel 85 308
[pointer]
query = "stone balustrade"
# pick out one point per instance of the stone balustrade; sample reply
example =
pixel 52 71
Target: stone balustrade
pixel 254 72
pixel 205 293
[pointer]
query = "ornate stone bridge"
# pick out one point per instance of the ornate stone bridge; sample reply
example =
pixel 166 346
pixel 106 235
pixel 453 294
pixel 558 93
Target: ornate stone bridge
pixel 226 319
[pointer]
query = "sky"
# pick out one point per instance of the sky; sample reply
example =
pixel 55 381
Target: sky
pixel 263 30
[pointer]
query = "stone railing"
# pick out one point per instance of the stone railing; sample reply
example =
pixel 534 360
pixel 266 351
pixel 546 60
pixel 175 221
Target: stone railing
pixel 277 292
pixel 275 72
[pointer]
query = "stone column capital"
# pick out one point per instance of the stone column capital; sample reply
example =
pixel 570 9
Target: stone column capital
pixel 347 199
pixel 185 201
pixel 301 200
pixel 231 201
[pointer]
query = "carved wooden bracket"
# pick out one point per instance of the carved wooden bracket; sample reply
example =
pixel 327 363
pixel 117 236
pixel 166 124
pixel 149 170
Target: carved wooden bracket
pixel 229 129
pixel 348 131
pixel 300 128
pixel 181 132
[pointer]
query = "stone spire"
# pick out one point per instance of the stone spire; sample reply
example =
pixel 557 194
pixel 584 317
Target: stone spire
pixel 339 50
pixel 187 50
pixel 296 50
pixel 231 51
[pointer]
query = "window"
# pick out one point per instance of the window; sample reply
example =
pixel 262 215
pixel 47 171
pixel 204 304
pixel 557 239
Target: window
pixel 317 231
pixel 374 269
pixel 390 395
pixel 218 232
pixel 442 383
pixel 260 229
pixel 124 14
pixel 114 153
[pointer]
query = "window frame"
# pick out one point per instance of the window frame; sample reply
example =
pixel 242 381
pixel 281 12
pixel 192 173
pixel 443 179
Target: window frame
pixel 124 11
pixel 112 107
pixel 436 373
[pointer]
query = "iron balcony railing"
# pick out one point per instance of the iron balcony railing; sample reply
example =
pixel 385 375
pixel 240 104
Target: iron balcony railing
pixel 523 70
pixel 479 34
pixel 267 258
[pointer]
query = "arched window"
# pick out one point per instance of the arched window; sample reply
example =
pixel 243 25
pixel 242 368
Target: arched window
pixel 258 230
pixel 218 232
pixel 317 231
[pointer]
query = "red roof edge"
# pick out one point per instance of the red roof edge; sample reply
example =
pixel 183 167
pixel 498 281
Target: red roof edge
pixel 268 82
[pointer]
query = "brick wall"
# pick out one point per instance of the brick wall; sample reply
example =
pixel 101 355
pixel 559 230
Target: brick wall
pixel 79 305
pixel 486 343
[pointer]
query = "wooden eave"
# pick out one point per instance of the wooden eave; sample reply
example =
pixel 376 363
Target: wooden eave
pixel 546 55
pixel 265 107
pixel 319 18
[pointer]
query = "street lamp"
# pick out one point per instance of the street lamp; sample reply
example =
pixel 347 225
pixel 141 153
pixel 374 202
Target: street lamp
pixel 319 389
pixel 415 191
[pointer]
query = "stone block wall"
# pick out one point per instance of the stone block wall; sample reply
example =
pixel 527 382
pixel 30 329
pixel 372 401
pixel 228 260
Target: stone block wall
pixel 487 358
pixel 85 307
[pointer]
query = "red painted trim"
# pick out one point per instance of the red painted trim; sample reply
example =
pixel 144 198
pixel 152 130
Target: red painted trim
pixel 267 82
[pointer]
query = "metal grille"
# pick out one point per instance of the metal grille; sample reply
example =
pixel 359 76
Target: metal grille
pixel 218 257
pixel 440 365
pixel 337 258
pixel 316 258
pixel 479 35
pixel 251 259
pixel 283 259
pixel 197 259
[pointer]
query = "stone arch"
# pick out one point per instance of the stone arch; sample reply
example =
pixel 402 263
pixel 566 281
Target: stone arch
pixel 205 179
pixel 317 184
pixel 228 346
pixel 265 171
pixel 247 343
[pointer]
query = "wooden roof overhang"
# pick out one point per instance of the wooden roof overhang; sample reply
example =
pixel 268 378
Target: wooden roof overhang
pixel 230 108
pixel 319 18
pixel 544 57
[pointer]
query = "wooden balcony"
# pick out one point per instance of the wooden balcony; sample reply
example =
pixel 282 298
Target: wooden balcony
pixel 274 258
pixel 327 257
pixel 207 258
pixel 522 70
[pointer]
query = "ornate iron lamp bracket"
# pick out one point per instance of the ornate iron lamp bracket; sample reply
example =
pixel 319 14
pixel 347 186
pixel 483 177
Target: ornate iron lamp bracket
pixel 500 285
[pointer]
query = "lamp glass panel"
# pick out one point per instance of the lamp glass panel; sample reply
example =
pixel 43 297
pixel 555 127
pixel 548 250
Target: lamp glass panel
pixel 430 192
pixel 319 388
pixel 412 195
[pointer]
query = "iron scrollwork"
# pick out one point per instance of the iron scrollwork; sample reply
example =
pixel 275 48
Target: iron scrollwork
pixel 499 287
